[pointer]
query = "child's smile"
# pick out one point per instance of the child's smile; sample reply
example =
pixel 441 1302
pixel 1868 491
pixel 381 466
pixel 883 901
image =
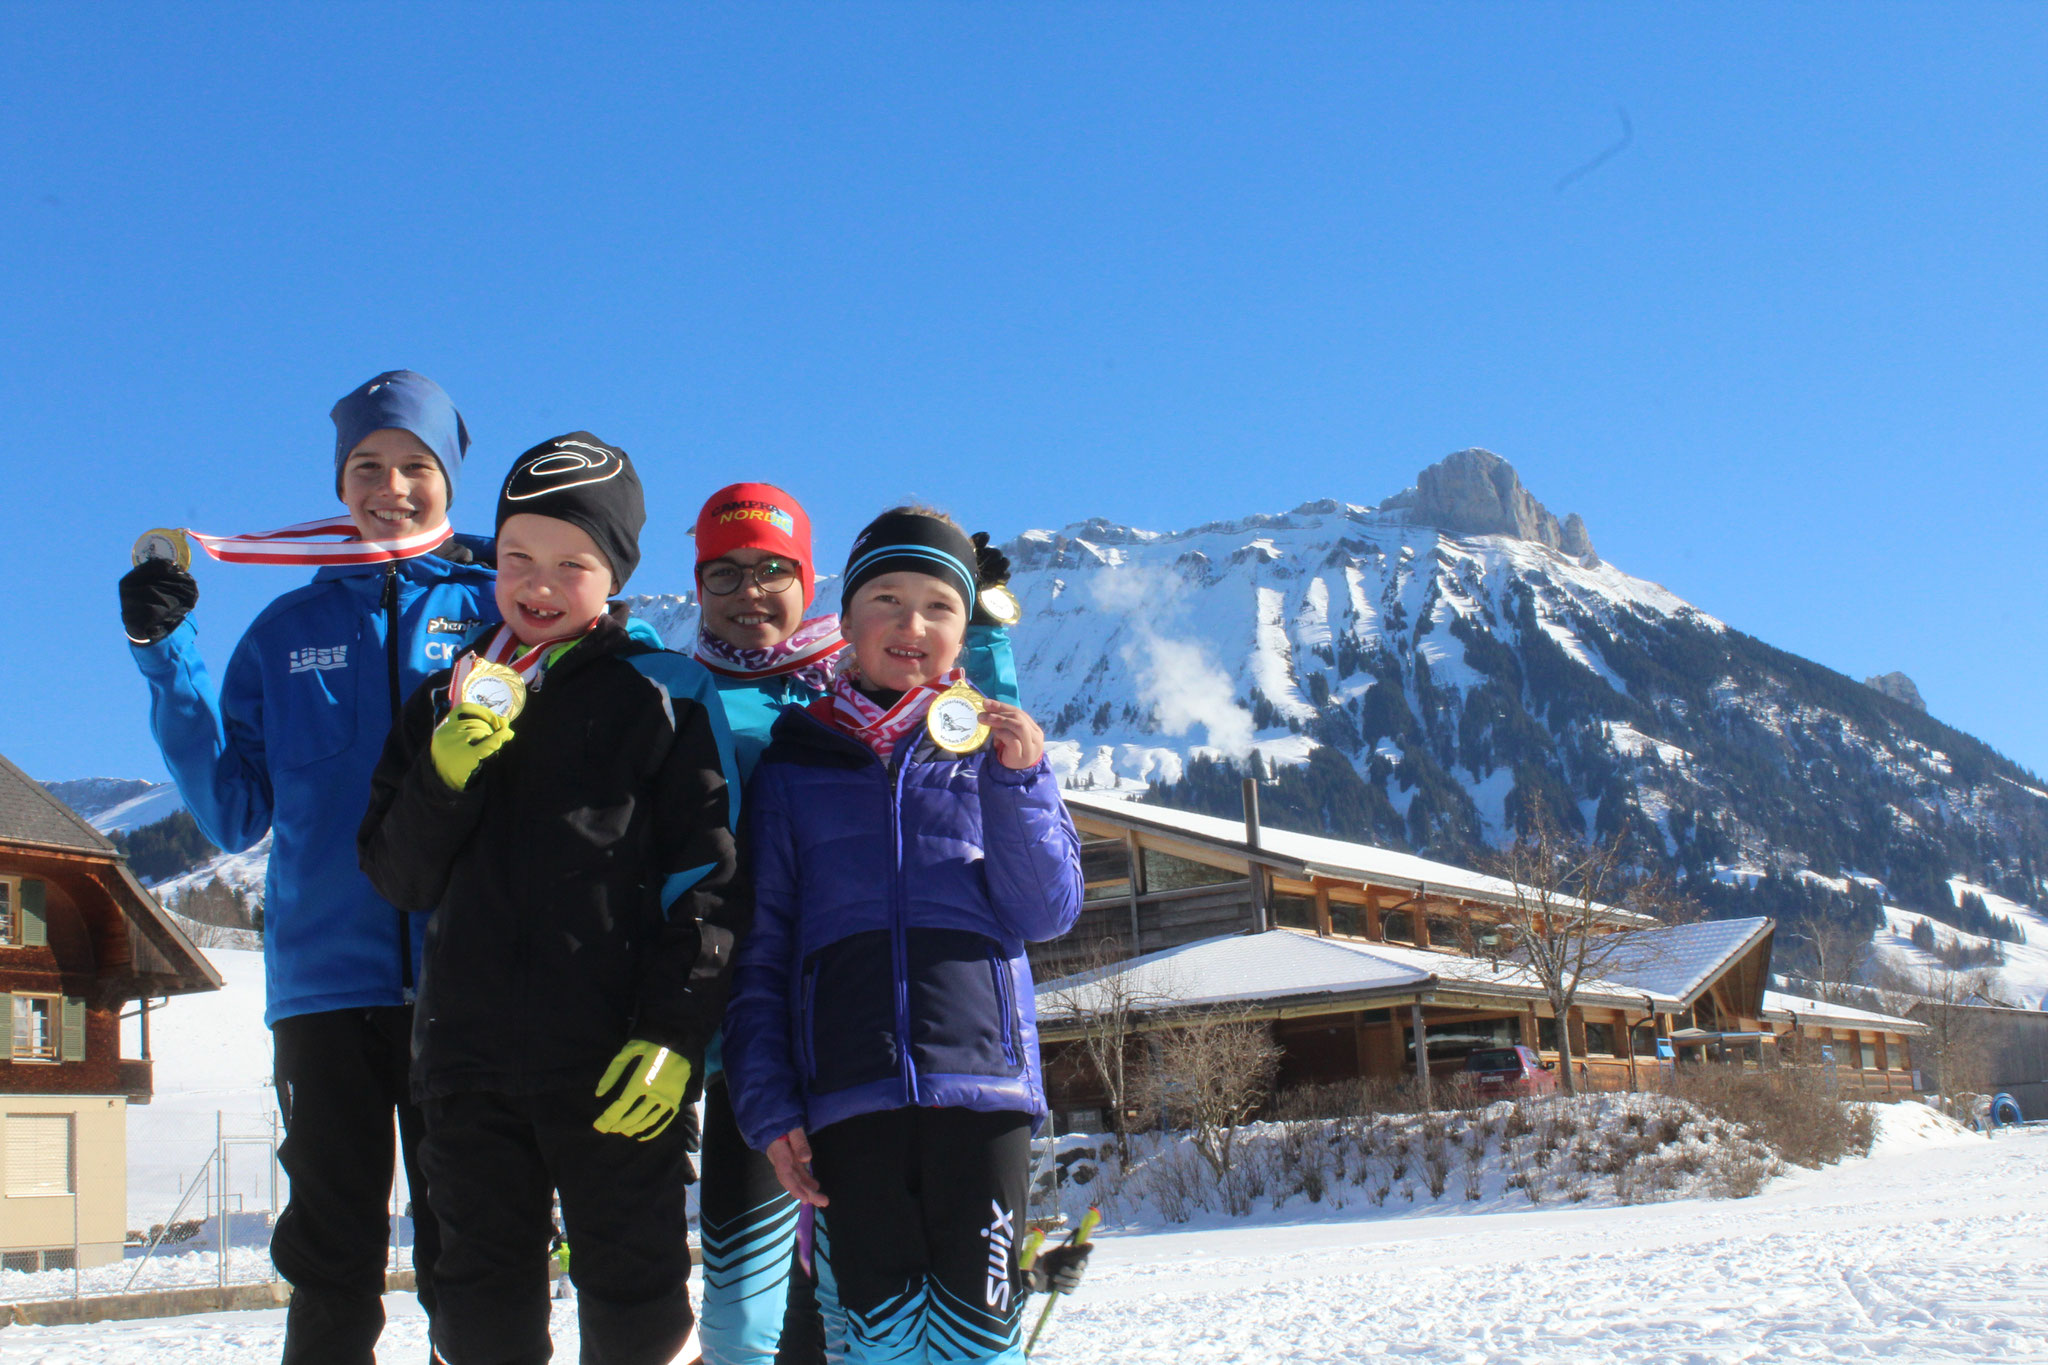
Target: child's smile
pixel 552 579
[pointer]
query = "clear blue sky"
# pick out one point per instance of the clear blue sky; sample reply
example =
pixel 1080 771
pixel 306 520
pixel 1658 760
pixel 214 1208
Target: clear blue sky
pixel 1158 263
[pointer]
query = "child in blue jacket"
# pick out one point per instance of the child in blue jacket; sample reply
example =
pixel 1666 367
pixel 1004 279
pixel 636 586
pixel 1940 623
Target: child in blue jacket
pixel 284 745
pixel 755 583
pixel 881 1046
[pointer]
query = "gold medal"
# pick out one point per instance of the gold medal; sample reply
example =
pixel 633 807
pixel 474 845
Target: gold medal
pixel 493 687
pixel 165 542
pixel 1001 604
pixel 955 721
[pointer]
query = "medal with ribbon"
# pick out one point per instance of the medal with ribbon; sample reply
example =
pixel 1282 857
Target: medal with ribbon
pixel 499 673
pixel 331 540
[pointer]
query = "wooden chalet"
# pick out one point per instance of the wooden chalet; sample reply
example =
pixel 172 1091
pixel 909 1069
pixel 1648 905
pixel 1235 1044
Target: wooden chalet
pixel 79 939
pixel 1365 959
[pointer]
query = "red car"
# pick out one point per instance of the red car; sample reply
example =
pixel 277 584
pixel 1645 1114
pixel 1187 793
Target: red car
pixel 1506 1072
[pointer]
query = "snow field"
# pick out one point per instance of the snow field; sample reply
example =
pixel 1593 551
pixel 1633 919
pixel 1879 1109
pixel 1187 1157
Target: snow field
pixel 1929 1250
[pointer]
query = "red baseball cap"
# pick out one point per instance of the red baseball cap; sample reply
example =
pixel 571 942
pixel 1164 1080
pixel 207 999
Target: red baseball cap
pixel 756 516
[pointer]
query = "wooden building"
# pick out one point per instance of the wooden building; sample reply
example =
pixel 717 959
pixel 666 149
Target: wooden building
pixel 1365 959
pixel 79 939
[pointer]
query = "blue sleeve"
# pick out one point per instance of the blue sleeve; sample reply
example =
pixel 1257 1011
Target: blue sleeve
pixel 990 664
pixel 760 1073
pixel 211 741
pixel 1030 852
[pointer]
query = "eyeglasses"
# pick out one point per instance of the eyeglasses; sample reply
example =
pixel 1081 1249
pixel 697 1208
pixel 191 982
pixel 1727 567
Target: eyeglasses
pixel 723 578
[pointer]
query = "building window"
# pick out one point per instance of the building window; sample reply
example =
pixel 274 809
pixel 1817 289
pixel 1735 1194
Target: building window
pixel 1600 1040
pixel 1870 1061
pixel 1106 869
pixel 1397 927
pixel 1643 1038
pixel 1445 932
pixel 1347 920
pixel 10 896
pixel 1546 1035
pixel 40 1155
pixel 47 1028
pixel 1164 872
pixel 22 922
pixel 1293 912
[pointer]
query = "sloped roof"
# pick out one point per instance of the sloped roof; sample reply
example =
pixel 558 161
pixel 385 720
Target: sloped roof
pixel 1779 1005
pixel 1680 961
pixel 30 815
pixel 1278 965
pixel 1312 855
pixel 1669 966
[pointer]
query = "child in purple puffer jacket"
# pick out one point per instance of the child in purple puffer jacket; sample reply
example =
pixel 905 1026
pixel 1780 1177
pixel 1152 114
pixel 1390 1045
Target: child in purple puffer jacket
pixel 880 1041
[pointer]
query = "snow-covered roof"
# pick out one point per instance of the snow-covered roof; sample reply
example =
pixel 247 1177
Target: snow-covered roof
pixel 1316 855
pixel 1679 961
pixel 1278 965
pixel 1797 1008
pixel 1671 968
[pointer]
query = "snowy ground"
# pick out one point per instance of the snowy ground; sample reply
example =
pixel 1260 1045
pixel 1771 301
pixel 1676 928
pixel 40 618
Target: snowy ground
pixel 1930 1250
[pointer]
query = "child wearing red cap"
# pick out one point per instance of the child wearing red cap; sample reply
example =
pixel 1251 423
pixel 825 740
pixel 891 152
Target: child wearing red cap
pixel 755 582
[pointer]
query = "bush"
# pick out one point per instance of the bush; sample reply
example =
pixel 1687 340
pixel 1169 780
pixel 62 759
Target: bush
pixel 1789 1109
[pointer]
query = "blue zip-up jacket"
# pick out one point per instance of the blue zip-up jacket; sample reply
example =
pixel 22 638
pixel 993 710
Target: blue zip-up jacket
pixel 287 743
pixel 753 704
pixel 885 966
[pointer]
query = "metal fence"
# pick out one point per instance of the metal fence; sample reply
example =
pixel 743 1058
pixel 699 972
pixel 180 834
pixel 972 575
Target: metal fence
pixel 203 1194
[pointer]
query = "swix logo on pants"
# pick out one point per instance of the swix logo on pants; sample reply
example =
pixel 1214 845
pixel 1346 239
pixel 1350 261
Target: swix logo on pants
pixel 1000 1234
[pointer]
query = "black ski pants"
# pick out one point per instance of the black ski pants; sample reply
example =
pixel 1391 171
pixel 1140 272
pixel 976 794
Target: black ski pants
pixel 340 1077
pixel 921 1234
pixel 494 1163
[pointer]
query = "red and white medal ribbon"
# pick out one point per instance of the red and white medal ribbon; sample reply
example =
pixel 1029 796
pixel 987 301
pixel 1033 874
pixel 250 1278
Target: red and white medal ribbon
pixel 865 719
pixel 503 647
pixel 331 540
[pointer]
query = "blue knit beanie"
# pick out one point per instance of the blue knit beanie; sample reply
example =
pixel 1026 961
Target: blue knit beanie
pixel 410 402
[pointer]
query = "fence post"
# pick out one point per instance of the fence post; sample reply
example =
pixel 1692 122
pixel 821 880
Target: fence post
pixel 220 1193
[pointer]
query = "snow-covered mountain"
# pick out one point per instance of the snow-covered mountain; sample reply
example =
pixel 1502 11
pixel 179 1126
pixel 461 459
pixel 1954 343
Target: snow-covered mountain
pixel 116 805
pixel 1401 677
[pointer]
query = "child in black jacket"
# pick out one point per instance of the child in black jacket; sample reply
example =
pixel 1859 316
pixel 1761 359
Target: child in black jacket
pixel 578 856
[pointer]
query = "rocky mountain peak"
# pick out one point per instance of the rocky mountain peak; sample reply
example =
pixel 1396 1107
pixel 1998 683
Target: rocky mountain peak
pixel 1898 687
pixel 1477 493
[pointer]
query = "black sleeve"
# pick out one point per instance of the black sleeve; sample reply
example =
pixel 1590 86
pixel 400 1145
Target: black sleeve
pixel 706 903
pixel 416 823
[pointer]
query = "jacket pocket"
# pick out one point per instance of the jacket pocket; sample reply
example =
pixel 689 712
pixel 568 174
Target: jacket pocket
pixel 316 715
pixel 850 1001
pixel 962 1014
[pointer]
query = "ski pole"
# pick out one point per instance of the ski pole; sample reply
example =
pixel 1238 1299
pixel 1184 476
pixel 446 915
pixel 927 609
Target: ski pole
pixel 1052 1298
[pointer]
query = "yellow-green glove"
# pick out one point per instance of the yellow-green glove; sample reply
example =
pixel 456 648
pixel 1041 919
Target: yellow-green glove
pixel 653 1093
pixel 469 735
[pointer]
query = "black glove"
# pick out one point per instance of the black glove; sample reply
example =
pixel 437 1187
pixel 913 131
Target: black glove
pixel 1058 1269
pixel 155 595
pixel 991 569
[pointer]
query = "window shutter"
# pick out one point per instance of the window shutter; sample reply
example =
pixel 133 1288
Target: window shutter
pixel 39 1157
pixel 73 1045
pixel 35 932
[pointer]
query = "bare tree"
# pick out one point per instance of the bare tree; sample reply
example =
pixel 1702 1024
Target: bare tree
pixel 1955 1052
pixel 1104 1001
pixel 1210 1075
pixel 1577 913
pixel 1840 953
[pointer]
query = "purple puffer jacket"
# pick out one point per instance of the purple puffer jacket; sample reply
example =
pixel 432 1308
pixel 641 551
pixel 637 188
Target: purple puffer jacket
pixel 885 966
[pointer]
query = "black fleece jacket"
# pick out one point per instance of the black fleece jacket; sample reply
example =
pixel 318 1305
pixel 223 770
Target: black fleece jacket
pixel 550 947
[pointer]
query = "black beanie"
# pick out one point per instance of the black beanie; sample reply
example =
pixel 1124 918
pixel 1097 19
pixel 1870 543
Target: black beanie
pixel 581 480
pixel 898 541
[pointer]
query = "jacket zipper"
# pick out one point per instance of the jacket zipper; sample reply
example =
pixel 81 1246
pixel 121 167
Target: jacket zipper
pixel 1006 1002
pixel 806 1011
pixel 899 930
pixel 391 660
